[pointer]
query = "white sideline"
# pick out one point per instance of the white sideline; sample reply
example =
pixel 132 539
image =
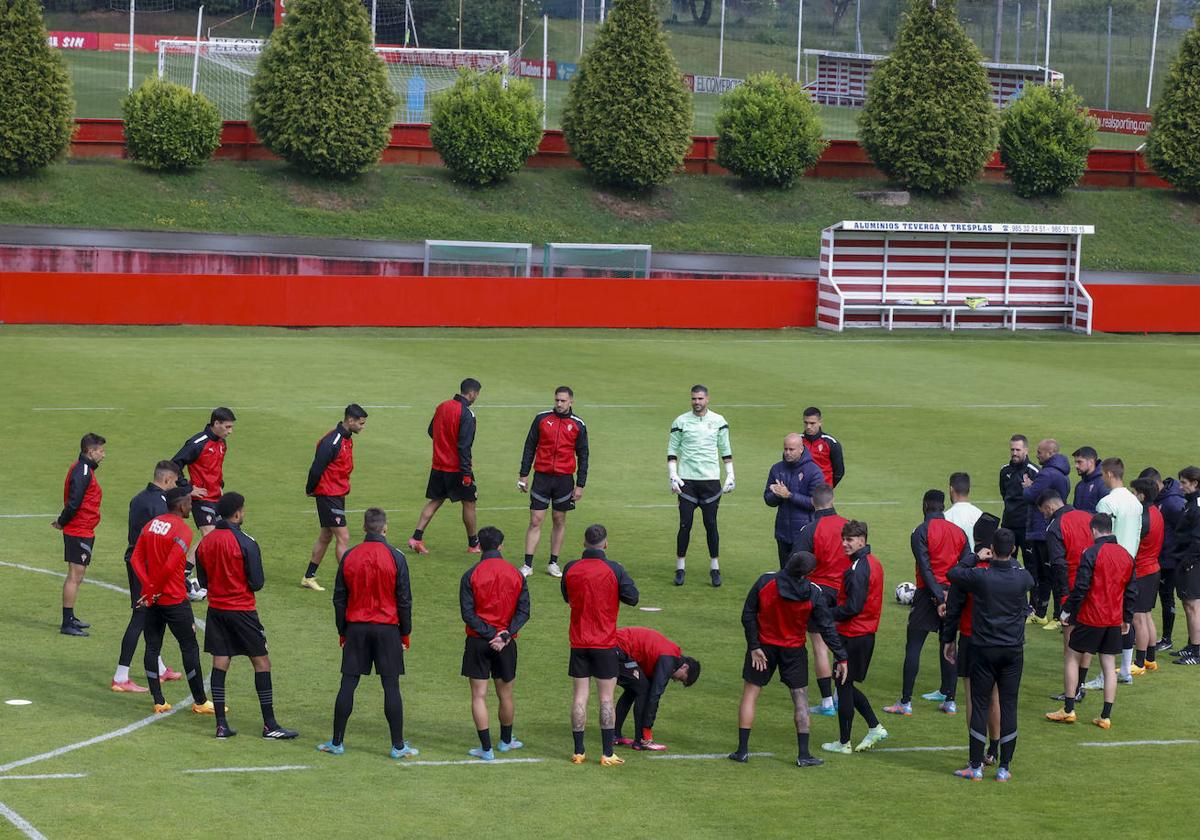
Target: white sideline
pixel 76 408
pixel 275 769
pixel 43 776
pixel 1137 743
pixel 21 823
pixel 477 762
pixel 28 515
pixel 919 749
pixel 703 756
pixel 99 583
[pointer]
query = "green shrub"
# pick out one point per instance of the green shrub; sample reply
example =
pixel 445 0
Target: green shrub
pixel 1173 147
pixel 929 122
pixel 1044 140
pixel 36 104
pixel 169 127
pixel 768 131
pixel 483 130
pixel 628 117
pixel 321 97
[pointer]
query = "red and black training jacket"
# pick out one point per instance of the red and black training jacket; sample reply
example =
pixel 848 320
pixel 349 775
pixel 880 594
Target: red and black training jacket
pixel 372 587
pixel 1105 589
pixel 160 556
pixel 595 587
pixel 203 456
pixel 557 444
pixel 860 597
pixel 1068 535
pixel 778 610
pixel 1150 547
pixel 81 499
pixel 493 598
pixel 332 464
pixel 229 566
pixel 823 537
pixel 937 545
pixel 453 431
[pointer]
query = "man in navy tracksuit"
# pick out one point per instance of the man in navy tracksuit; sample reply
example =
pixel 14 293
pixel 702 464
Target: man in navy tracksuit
pixel 1170 502
pixel 1053 476
pixel 789 490
pixel 1091 487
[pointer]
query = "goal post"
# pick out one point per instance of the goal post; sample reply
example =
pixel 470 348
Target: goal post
pixel 577 259
pixel 455 258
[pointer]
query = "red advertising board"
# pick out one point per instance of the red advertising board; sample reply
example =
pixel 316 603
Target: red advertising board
pixel 119 42
pixel 532 68
pixel 1121 122
pixel 280 12
pixel 74 40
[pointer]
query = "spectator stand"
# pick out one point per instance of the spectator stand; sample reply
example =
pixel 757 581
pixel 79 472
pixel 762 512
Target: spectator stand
pixel 952 274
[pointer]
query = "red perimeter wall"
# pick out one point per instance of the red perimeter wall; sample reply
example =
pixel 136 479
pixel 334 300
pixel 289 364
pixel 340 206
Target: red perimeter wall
pixel 1149 309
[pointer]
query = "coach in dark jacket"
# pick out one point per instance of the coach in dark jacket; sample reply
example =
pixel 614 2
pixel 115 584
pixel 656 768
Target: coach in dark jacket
pixel 1091 487
pixel 789 490
pixel 1053 476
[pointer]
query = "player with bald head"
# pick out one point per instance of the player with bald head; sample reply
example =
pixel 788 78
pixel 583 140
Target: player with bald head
pixel 1052 476
pixel 790 485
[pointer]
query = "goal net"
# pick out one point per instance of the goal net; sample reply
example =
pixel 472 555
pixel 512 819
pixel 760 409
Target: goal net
pixel 223 68
pixel 568 259
pixel 453 258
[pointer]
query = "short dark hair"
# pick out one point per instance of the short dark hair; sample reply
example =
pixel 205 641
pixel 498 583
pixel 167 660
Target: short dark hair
pixel 1086 452
pixel 933 501
pixel 230 504
pixel 1148 487
pixel 700 389
pixel 164 468
pixel 1048 496
pixel 1102 523
pixel 374 520
pixel 595 535
pixel 1190 473
pixel 564 389
pixel 812 411
pixel 176 496
pixel 693 667
pixel 356 411
pixel 960 483
pixel 490 538
pixel 1020 438
pixel 854 528
pixel 1003 542
pixel 1151 473
pixel 822 495
pixel 800 564
pixel 221 414
pixel 90 441
pixel 468 385
pixel 1113 466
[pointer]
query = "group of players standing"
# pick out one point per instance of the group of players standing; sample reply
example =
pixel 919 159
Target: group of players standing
pixel 829 585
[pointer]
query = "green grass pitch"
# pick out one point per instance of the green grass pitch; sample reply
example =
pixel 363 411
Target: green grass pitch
pixel 909 408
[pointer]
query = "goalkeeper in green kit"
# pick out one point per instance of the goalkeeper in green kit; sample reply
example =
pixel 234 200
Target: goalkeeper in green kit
pixel 698 442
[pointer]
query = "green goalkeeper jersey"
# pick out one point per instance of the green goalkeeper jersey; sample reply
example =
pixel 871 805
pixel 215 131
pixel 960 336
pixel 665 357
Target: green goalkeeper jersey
pixel 699 443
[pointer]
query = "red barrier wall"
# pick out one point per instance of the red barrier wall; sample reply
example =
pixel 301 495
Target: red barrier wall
pixel 362 301
pixel 411 144
pixel 1151 309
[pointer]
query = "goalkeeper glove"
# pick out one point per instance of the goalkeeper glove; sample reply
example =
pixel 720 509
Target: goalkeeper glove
pixel 673 477
pixel 729 483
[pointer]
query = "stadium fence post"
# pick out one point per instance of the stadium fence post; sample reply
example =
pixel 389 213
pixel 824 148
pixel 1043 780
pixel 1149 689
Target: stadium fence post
pixel 721 44
pixel 1153 50
pixel 800 39
pixel 375 18
pixel 545 66
pixel 1108 61
pixel 581 10
pixel 132 4
pixel 1046 68
pixel 1018 33
pixel 196 53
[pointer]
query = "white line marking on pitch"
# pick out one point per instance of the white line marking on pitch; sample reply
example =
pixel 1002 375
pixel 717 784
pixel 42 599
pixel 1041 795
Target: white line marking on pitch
pixel 476 762
pixel 1125 405
pixel 1006 405
pixel 918 749
pixel 1137 743
pixel 99 583
pixel 703 756
pixel 21 823
pixel 76 408
pixel 44 776
pixel 28 515
pixel 277 769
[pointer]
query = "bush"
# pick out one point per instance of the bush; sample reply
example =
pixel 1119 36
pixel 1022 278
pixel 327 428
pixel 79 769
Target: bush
pixel 483 130
pixel 36 103
pixel 1173 147
pixel 169 127
pixel 1044 141
pixel 321 97
pixel 768 131
pixel 628 117
pixel 929 122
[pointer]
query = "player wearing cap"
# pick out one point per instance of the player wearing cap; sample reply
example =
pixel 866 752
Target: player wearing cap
pixel 78 520
pixel 202 457
pixel 372 608
pixel 649 662
pixel 778 611
pixel 329 483
pixel 452 475
pixel 158 560
pixel 229 566
pixel 696 446
pixel 493 599
pixel 595 587
pixel 556 448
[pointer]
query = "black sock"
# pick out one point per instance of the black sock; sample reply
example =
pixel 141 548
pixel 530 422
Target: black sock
pixel 578 736
pixel 473 541
pixel 1107 711
pixel 343 707
pixel 743 741
pixel 418 534
pixel 266 697
pixel 506 734
pixel 485 738
pixel 393 709
pixel 1082 678
pixel 802 744
pixel 312 570
pixel 826 686
pixel 68 614
pixel 607 736
pixel 993 747
pixel 528 559
pixel 554 558
pixel 1151 654
pixel 1139 658
pixel 218 695
pixel 1069 704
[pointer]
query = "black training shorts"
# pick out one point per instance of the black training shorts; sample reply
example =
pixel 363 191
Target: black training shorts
pixel 1188 581
pixel 480 662
pixel 1088 639
pixel 792 664
pixel 377 645
pixel 331 511
pixel 234 633
pixel 700 492
pixel 204 513
pixel 552 491
pixel 1147 593
pixel 78 550
pixel 600 663
pixel 449 485
pixel 924 615
pixel 859 650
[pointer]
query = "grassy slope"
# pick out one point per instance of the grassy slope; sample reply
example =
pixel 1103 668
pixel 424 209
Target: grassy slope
pixel 893 455
pixel 1148 230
